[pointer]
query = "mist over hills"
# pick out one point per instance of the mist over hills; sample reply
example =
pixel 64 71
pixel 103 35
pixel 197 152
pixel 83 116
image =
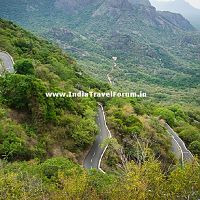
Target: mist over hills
pixel 182 7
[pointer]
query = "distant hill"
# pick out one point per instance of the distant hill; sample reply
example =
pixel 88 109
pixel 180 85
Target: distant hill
pixel 182 7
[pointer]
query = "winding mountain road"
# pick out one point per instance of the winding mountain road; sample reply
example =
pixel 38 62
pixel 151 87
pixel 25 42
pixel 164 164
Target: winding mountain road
pixel 109 75
pixel 7 61
pixel 94 156
pixel 178 146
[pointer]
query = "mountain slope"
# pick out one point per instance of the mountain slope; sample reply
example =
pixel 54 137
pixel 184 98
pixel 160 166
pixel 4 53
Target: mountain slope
pixel 182 7
pixel 36 128
pixel 32 125
pixel 156 50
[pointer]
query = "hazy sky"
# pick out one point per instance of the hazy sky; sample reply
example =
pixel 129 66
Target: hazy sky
pixel 195 3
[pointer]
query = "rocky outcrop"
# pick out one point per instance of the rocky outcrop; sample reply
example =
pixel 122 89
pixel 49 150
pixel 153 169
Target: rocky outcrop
pixel 61 34
pixel 72 6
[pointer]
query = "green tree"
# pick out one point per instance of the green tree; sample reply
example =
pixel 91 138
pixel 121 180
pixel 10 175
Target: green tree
pixel 166 114
pixel 190 134
pixel 24 66
pixel 13 142
pixel 195 147
pixel 28 93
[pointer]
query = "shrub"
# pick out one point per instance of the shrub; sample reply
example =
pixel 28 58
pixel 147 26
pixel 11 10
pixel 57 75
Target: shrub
pixel 166 114
pixel 24 66
pixel 194 147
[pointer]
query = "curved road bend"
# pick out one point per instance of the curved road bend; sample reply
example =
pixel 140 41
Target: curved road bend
pixel 94 156
pixel 7 61
pixel 109 76
pixel 178 146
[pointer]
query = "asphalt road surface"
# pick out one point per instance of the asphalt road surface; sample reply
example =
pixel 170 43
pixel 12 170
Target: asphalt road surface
pixel 94 156
pixel 7 61
pixel 178 146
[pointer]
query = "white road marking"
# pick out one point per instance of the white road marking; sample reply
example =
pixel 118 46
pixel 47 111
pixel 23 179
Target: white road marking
pixel 110 136
pixel 178 147
pixel 104 128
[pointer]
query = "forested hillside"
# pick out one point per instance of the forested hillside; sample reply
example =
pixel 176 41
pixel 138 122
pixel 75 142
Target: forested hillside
pixel 31 125
pixel 42 140
pixel 157 51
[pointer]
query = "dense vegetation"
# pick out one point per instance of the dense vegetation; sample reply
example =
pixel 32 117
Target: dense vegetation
pixel 30 123
pixel 139 131
pixel 59 178
pixel 157 51
pixel 185 123
pixel 33 129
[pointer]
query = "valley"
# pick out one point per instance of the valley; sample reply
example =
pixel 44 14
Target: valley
pixel 142 38
pixel 61 148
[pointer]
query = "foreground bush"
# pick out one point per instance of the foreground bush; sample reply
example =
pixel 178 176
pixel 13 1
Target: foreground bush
pixel 59 178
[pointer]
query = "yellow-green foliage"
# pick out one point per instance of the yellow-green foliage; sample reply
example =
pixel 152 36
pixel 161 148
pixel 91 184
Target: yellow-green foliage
pixel 60 179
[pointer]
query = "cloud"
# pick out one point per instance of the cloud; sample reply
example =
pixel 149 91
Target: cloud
pixel 195 3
